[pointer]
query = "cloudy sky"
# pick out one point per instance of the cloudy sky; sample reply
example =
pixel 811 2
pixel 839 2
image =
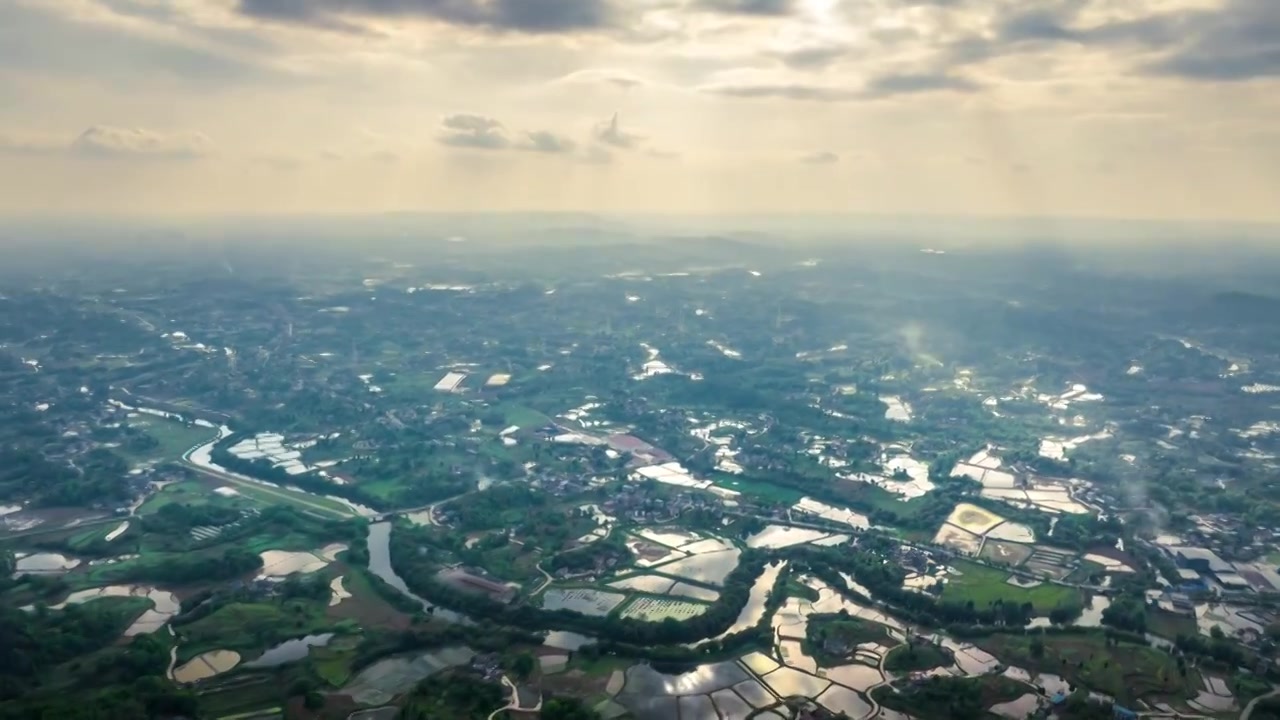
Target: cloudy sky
pixel 1103 108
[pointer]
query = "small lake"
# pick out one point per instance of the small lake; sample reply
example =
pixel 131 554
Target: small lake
pixel 44 562
pixel 290 651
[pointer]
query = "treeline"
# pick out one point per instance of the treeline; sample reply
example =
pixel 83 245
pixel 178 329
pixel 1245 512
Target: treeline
pixel 482 637
pixel 33 642
pixel 949 697
pixel 25 473
pixel 118 683
pixel 181 518
pixel 188 569
pixel 498 506
pixel 150 697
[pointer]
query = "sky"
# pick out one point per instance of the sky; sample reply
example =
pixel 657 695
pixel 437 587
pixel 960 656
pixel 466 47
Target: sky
pixel 1161 109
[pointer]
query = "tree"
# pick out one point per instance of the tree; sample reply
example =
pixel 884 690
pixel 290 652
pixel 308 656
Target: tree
pixel 522 665
pixel 1037 647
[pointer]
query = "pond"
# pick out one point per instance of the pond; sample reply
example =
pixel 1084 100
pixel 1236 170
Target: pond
pixel 290 651
pixel 206 665
pixel 44 562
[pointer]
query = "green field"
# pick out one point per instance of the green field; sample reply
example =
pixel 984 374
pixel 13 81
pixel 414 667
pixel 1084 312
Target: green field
pixel 305 502
pixel 250 627
pixel 89 536
pixel 756 490
pixel 525 418
pixel 174 438
pixel 243 698
pixel 333 663
pixel 1125 671
pixel 833 638
pixel 188 492
pixel 915 657
pixel 983 586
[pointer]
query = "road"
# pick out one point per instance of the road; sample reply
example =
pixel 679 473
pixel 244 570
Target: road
pixel 42 528
pixel 545 582
pixel 289 498
pixel 1248 709
pixel 514 702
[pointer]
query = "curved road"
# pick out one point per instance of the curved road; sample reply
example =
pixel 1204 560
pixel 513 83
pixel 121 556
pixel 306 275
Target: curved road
pixel 1248 709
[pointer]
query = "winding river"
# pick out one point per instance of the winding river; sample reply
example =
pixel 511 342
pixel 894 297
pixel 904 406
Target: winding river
pixel 380 564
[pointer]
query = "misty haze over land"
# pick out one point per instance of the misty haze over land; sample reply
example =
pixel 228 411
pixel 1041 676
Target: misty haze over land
pixel 639 359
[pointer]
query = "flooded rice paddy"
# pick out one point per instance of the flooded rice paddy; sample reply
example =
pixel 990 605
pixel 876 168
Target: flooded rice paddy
pixel 781 536
pixel 655 584
pixel 206 665
pixel 1023 707
pixel 711 568
pixel 659 609
pixel 387 678
pixel 44 563
pixel 585 601
pixel 283 563
pixel 164 605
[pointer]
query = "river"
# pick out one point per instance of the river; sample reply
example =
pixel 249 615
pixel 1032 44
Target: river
pixel 380 565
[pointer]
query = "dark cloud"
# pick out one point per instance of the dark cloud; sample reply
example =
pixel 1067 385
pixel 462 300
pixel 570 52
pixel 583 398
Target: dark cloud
pixel 473 131
pixel 544 141
pixel 789 91
pixel 746 7
pixel 1239 42
pixel 910 83
pixel 467 130
pixel 811 56
pixel 1234 42
pixel 1035 24
pixel 528 16
pixel 109 141
pixel 879 87
pixel 611 133
pixel 822 157
pixel 106 141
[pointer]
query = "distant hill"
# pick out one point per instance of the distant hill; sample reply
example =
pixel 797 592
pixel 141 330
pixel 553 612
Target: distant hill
pixel 1244 307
